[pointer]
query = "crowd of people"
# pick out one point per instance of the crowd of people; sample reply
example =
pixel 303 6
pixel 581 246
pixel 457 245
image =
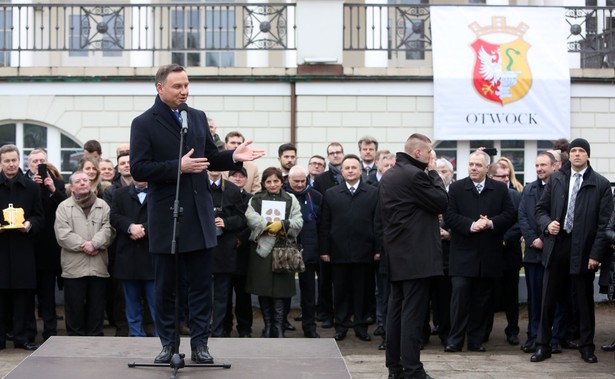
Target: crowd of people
pixel 388 239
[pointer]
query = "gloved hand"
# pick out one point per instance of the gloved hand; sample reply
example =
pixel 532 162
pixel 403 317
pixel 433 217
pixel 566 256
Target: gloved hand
pixel 274 227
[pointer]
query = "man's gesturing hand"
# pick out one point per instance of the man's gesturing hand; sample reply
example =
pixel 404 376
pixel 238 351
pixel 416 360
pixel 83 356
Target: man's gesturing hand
pixel 191 165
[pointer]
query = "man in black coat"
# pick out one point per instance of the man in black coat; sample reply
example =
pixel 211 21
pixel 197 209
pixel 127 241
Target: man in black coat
pixel 154 141
pixel 347 238
pixel 133 262
pixel 411 196
pixel 573 213
pixel 311 201
pixel 479 213
pixel 17 258
pixel 230 219
pixel 46 247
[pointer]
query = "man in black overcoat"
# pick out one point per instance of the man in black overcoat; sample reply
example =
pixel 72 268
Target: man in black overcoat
pixel 154 144
pixel 17 258
pixel 411 195
pixel 479 213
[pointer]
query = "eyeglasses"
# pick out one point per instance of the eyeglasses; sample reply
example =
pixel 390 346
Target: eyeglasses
pixel 317 164
pixel 336 152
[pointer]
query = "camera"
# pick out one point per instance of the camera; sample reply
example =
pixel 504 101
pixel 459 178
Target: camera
pixel 218 213
pixel 42 170
pixel 491 151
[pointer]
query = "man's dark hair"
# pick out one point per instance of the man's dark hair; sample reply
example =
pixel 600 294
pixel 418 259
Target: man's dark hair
pixel 164 71
pixel 232 134
pixel 93 146
pixel 122 154
pixel 334 144
pixel 351 156
pixel 318 157
pixel 548 155
pixel 286 147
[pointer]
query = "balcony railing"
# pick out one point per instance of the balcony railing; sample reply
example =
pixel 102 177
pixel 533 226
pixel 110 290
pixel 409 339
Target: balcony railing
pixel 242 34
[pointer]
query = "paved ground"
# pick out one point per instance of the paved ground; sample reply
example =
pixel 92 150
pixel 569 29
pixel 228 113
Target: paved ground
pixel 503 361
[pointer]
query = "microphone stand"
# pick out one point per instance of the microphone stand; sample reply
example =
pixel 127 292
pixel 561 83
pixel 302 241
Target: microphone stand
pixel 178 359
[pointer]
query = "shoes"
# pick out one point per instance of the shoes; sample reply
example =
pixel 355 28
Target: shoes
pixel 529 346
pixel 541 354
pixel 435 330
pixel 363 336
pixel 556 348
pixel 327 324
pixel 369 320
pixel 2 345
pixel 589 357
pixel 477 348
pixel 339 336
pixel 165 355
pixel 452 348
pixel 570 344
pixel 311 334
pixel 396 374
pixel 289 326
pixel 200 354
pixel 383 345
pixel 610 347
pixel 9 336
pixel 512 339
pixel 379 331
pixel 299 317
pixel 26 346
pixel 183 329
pixel 245 335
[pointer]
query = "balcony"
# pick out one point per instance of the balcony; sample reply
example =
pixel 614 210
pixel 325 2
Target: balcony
pixel 244 35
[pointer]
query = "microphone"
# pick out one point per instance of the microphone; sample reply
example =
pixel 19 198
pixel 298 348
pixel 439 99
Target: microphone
pixel 183 112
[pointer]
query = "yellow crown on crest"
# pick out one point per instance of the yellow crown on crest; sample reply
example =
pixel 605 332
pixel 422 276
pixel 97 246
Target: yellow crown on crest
pixel 498 25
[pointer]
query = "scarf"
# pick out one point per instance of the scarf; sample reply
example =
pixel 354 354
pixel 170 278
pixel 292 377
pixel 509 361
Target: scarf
pixel 85 202
pixel 304 196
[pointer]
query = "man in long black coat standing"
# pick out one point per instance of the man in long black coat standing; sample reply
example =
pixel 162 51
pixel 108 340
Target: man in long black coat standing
pixel 411 195
pixel 573 213
pixel 479 213
pixel 154 142
pixel 17 259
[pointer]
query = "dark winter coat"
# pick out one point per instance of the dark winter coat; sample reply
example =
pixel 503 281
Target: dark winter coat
pixel 228 199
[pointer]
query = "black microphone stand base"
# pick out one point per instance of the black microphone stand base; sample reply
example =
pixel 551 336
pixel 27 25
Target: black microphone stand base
pixel 178 362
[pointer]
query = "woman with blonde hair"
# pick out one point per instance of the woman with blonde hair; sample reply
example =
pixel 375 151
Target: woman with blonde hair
pixel 513 178
pixel 89 165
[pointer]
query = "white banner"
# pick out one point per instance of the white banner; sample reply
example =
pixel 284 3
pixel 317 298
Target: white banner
pixel 500 73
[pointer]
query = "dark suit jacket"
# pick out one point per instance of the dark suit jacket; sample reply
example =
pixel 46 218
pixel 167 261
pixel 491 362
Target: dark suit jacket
pixel 347 230
pixel 154 148
pixel 132 258
pixel 327 180
pixel 477 255
pixel 527 221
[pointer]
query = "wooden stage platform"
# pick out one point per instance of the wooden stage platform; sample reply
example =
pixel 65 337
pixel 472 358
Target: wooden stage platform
pixel 254 358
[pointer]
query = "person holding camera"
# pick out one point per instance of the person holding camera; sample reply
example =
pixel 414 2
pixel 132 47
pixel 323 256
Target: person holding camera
pixel 46 248
pixel 229 219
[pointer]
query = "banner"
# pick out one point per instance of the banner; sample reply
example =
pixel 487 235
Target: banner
pixel 500 73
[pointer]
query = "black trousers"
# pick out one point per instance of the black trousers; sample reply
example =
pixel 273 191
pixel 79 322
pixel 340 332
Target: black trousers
pixel 471 308
pixel 16 309
pixel 243 307
pixel 197 270
pixel 408 308
pixel 221 293
pixel 46 295
pixel 307 285
pixel 352 284
pixel 84 305
pixel 325 290
pixel 441 304
pixel 555 278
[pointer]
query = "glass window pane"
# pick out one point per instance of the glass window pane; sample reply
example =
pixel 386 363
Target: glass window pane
pixel 67 142
pixel 545 145
pixel 8 134
pixel 513 144
pixel 516 157
pixel 34 136
pixel 476 144
pixel 71 153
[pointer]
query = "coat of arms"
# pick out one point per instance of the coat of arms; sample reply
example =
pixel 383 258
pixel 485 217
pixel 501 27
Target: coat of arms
pixel 501 71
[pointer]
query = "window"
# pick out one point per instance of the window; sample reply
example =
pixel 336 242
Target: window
pixel 63 151
pixel 6 36
pixel 185 26
pixel 78 35
pixel 412 32
pixel 220 34
pixel 113 39
pixel 448 151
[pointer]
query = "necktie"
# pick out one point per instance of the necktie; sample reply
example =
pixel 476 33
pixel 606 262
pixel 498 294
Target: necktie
pixel 352 189
pixel 178 116
pixel 479 187
pixel 573 199
pixel 214 186
pixel 141 190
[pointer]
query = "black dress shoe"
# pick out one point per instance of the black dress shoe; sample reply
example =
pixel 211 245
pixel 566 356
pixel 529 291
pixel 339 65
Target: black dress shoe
pixel 570 344
pixel 311 334
pixel 396 374
pixel 339 336
pixel 26 346
pixel 200 354
pixel 363 336
pixel 245 335
pixel 556 348
pixel 379 331
pixel 165 355
pixel 289 326
pixel 512 340
pixel 383 345
pixel 529 346
pixel 610 347
pixel 2 345
pixel 541 354
pixel 299 317
pixel 477 348
pixel 589 357
pixel 452 348
pixel 369 320
pixel 327 324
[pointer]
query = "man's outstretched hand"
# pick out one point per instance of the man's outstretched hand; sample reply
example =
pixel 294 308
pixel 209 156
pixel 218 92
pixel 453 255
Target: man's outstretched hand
pixel 244 153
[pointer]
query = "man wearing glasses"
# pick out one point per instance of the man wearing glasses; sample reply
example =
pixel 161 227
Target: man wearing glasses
pixel 316 166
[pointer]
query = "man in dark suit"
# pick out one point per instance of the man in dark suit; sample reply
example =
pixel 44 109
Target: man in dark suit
pixel 479 212
pixel 411 196
pixel 324 181
pixel 17 257
pixel 347 236
pixel 154 142
pixel 230 219
pixel 573 213
pixel 133 262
